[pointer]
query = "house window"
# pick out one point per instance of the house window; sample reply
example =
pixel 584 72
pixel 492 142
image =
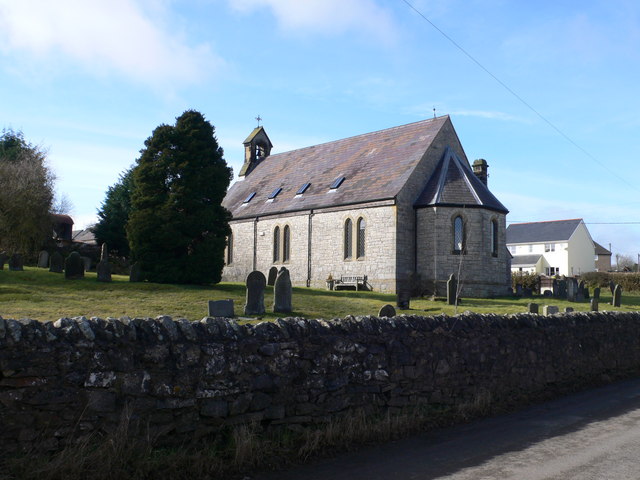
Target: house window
pixel 348 239
pixel 230 249
pixel 549 247
pixel 458 234
pixel 276 245
pixel 360 238
pixel 530 248
pixel 494 238
pixel 286 243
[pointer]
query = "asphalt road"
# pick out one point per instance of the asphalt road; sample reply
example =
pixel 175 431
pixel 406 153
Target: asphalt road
pixel 586 436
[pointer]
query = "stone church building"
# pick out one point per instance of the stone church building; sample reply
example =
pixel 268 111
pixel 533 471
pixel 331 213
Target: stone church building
pixel 401 206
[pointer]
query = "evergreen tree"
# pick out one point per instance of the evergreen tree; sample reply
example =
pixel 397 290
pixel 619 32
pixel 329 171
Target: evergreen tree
pixel 177 226
pixel 114 215
pixel 26 195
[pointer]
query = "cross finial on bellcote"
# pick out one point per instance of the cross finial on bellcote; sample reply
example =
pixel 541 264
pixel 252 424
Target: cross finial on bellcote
pixel 259 119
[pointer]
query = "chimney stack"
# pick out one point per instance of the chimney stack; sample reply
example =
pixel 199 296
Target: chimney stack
pixel 480 167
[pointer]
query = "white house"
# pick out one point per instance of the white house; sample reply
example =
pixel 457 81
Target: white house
pixel 558 247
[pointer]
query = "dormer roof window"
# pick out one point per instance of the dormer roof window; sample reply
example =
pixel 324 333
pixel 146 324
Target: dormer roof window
pixel 275 193
pixel 249 197
pixel 303 188
pixel 337 182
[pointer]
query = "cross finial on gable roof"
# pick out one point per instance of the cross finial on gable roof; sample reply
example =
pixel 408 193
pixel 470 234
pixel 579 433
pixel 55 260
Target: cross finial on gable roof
pixel 434 112
pixel 259 119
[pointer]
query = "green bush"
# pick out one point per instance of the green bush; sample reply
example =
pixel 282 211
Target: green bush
pixel 527 280
pixel 630 282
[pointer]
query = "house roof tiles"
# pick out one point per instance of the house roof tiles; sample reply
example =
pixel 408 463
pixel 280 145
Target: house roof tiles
pixel 539 232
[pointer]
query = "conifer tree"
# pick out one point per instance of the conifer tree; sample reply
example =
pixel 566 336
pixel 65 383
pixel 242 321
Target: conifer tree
pixel 114 215
pixel 177 226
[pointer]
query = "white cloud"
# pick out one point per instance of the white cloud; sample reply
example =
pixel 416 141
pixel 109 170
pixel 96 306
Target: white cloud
pixel 326 16
pixel 103 36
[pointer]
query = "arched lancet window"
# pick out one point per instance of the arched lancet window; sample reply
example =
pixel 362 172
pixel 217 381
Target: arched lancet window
pixel 458 234
pixel 276 244
pixel 360 238
pixel 286 243
pixel 348 239
pixel 494 237
pixel 230 249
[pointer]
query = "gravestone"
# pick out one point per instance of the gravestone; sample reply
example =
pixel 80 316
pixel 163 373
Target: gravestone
pixel 387 311
pixel 3 258
pixel 585 293
pixel 562 289
pixel 273 274
pixel 572 289
pixel 103 269
pixel 56 263
pixel 282 292
pixel 617 296
pixel 221 308
pixel 596 293
pixel 527 292
pixel 16 263
pixel 549 309
pixel 547 293
pixel 452 289
pixel 612 286
pixel 568 309
pixel 555 287
pixel 87 263
pixel 519 290
pixel 74 266
pixel 594 304
pixel 255 293
pixel 403 298
pixel 43 259
pixel 533 307
pixel 135 273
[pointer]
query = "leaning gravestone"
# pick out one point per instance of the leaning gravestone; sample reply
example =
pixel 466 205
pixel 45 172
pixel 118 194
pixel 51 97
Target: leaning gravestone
pixel 255 293
pixel 387 311
pixel 74 266
pixel 3 258
pixel 533 308
pixel 452 289
pixel 617 296
pixel 43 259
pixel 282 292
pixel 221 308
pixel 56 263
pixel 273 274
pixel 103 269
pixel 135 273
pixel 16 263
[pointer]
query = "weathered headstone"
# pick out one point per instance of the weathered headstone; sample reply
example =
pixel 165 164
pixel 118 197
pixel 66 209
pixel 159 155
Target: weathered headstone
pixel 568 309
pixel 16 263
pixel 562 289
pixel 527 292
pixel 282 292
pixel 533 307
pixel 135 273
pixel 103 270
pixel 87 263
pixel 273 274
pixel 585 293
pixel 519 290
pixel 403 297
pixel 594 304
pixel 255 293
pixel 547 293
pixel 555 287
pixel 104 253
pixel 572 289
pixel 617 296
pixel 56 263
pixel 452 289
pixel 74 266
pixel 596 293
pixel 549 309
pixel 612 286
pixel 3 258
pixel 43 259
pixel 221 308
pixel 387 311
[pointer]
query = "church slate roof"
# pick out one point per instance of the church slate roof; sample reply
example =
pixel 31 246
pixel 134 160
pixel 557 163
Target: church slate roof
pixel 375 167
pixel 538 232
pixel 454 184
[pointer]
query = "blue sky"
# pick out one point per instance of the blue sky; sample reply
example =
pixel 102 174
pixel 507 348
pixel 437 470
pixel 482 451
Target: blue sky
pixel 89 81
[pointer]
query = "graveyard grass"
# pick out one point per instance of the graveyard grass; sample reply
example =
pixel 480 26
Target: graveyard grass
pixel 42 295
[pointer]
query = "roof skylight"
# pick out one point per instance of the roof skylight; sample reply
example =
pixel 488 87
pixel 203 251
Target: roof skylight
pixel 337 182
pixel 249 197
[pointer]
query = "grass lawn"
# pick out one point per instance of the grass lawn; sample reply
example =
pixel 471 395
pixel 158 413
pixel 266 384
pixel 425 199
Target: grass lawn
pixel 41 295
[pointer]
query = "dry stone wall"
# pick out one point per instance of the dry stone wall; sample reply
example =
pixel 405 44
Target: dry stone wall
pixel 178 381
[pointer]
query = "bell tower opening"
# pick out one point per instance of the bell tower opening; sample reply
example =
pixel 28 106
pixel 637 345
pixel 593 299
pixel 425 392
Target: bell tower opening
pixel 257 147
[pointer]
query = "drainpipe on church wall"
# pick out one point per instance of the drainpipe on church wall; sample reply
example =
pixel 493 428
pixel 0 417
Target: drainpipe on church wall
pixel 309 233
pixel 255 244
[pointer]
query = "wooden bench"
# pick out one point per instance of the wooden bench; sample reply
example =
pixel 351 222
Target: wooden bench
pixel 357 281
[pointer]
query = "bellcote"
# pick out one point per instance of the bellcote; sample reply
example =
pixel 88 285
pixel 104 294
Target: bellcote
pixel 257 147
